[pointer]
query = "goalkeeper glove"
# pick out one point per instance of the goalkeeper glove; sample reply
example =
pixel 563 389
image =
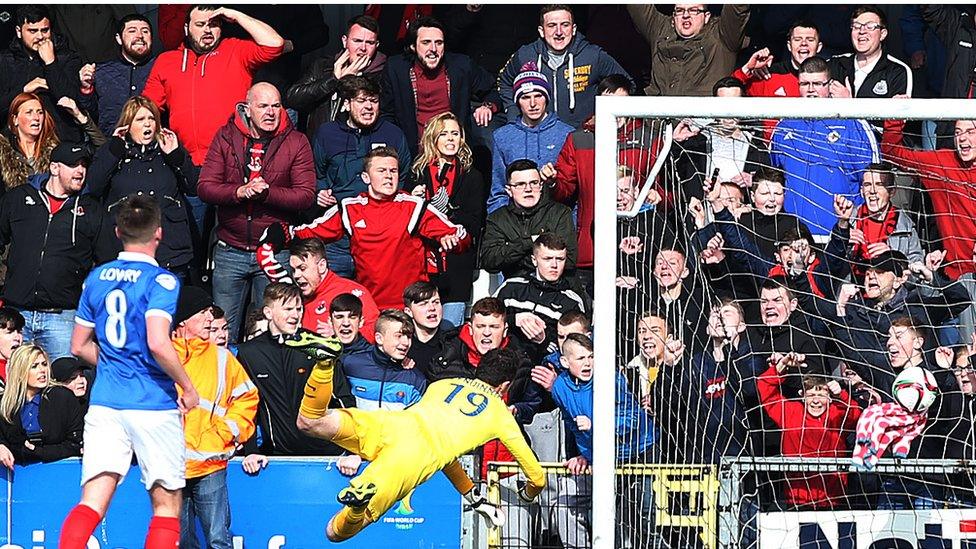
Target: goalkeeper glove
pixel 489 512
pixel 523 493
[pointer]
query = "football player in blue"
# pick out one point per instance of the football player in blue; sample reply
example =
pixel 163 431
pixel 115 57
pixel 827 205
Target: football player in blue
pixel 123 326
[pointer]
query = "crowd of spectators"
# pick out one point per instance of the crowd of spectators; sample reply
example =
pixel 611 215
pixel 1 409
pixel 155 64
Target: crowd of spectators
pixel 358 193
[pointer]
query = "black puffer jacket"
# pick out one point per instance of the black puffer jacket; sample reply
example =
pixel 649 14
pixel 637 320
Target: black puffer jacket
pixel 511 231
pixel 62 422
pixel 49 255
pixel 280 374
pixel 121 168
pixel 316 93
pixel 20 66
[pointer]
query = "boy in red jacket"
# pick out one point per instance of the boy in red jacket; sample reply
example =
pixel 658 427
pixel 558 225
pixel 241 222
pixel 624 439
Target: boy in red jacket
pixel 812 427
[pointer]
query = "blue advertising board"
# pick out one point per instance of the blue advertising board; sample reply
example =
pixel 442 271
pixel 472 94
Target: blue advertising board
pixel 286 505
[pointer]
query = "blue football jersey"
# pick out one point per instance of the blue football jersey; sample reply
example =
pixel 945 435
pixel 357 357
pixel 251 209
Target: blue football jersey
pixel 116 300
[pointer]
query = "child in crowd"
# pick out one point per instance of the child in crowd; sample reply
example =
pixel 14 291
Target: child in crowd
pixel 812 427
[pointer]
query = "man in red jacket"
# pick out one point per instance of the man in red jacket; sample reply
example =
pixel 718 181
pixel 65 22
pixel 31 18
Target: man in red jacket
pixel 576 170
pixel 386 229
pixel 200 82
pixel 259 171
pixel 320 286
pixel 949 178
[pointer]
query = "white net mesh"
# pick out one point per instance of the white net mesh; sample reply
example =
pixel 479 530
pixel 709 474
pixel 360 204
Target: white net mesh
pixel 773 278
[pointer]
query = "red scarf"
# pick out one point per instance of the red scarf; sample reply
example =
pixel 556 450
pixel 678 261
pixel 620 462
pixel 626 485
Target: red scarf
pixel 450 175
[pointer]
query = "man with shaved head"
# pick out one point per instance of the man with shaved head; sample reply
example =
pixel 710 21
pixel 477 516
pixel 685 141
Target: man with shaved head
pixel 275 160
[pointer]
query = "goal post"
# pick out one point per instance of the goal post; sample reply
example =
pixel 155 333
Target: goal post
pixel 605 307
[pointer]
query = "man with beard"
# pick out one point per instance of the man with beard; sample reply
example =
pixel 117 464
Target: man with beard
pixel 45 277
pixel 426 81
pixel 259 172
pixel 106 86
pixel 339 148
pixel 200 88
pixel 39 61
pixel 317 91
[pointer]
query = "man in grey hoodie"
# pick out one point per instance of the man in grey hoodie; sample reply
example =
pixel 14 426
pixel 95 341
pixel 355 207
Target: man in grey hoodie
pixel 560 51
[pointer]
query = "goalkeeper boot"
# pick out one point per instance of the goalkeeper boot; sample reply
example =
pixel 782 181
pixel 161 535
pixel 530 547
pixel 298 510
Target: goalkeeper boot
pixel 355 496
pixel 319 348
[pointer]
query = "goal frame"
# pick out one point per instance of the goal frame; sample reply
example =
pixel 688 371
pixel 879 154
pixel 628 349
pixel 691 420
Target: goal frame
pixel 608 108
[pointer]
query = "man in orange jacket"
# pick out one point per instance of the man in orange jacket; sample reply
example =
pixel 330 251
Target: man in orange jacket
pixel 223 419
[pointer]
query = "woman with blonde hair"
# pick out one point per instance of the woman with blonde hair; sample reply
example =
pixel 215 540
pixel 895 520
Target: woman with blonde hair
pixel 38 421
pixel 26 145
pixel 143 157
pixel 443 175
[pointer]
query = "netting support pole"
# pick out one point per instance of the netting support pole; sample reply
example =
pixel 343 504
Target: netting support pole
pixel 729 495
pixel 605 316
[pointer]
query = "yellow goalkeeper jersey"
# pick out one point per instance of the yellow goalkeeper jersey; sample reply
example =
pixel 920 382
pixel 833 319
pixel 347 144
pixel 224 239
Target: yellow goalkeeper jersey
pixel 458 415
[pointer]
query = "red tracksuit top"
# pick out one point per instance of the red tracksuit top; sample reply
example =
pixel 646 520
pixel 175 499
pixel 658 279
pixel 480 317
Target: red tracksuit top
pixel 779 84
pixel 317 306
pixel 951 186
pixel 807 436
pixel 386 240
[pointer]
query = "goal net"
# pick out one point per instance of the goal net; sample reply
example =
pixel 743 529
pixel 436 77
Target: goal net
pixel 780 281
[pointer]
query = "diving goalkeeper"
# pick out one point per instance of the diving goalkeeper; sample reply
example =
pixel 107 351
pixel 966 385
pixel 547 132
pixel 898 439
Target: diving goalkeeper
pixel 406 447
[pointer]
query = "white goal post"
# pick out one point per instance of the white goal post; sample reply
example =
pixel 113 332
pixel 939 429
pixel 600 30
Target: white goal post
pixel 608 108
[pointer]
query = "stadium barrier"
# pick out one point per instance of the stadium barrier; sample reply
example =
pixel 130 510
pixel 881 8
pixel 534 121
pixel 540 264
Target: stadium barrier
pixel 726 511
pixel 286 505
pixel 686 497
pixel 753 517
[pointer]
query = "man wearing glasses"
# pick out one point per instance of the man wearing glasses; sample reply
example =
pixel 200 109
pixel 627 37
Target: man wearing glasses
pixel 512 230
pixel 869 71
pixel 821 158
pixel 691 50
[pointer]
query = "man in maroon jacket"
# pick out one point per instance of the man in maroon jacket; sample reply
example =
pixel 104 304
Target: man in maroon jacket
pixel 259 170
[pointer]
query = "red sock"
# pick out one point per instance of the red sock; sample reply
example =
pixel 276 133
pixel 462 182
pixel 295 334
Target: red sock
pixel 164 533
pixel 78 527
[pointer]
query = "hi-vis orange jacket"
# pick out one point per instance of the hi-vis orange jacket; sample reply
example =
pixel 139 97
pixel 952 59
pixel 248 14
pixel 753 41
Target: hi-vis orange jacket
pixel 228 403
